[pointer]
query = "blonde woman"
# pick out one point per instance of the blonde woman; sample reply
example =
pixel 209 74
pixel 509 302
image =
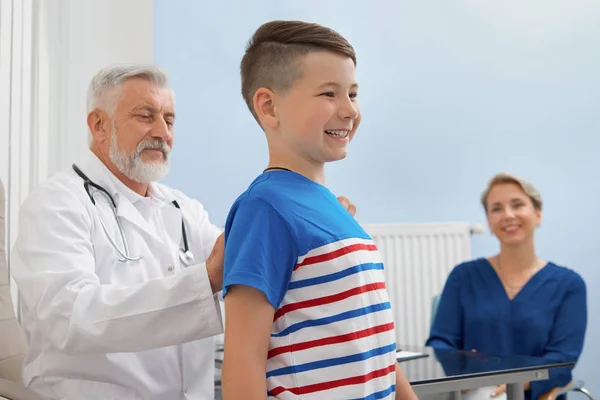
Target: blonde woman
pixel 514 302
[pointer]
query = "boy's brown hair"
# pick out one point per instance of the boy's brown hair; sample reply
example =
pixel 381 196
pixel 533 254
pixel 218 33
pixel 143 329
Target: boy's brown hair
pixel 272 58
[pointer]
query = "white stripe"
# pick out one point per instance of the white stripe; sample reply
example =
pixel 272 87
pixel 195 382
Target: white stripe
pixel 360 390
pixel 347 371
pixel 327 310
pixel 336 265
pixel 343 349
pixel 328 248
pixel 334 287
pixel 334 329
pixel 340 372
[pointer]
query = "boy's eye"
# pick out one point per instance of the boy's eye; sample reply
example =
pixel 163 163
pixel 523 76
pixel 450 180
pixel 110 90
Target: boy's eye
pixel 328 94
pixel 353 95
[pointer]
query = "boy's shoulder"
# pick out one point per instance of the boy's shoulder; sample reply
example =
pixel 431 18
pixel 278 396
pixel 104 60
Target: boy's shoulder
pixel 281 190
pixel 310 210
pixel 267 185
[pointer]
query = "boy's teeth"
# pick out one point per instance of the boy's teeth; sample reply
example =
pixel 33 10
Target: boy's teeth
pixel 337 133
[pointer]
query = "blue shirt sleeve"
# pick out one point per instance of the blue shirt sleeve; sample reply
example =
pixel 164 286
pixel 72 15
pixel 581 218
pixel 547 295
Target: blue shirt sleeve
pixel 260 249
pixel 566 338
pixel 446 329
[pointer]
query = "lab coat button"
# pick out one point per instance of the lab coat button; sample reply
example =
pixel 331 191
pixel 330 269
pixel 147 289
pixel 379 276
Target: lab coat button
pixel 170 269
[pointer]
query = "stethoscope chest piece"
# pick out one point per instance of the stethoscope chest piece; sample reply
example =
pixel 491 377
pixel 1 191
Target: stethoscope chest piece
pixel 186 257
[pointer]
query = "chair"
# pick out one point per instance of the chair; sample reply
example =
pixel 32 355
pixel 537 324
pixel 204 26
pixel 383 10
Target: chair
pixel 12 341
pixel 575 386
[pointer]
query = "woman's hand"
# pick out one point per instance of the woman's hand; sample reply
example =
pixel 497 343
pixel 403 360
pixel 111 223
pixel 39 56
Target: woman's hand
pixel 553 394
pixel 499 390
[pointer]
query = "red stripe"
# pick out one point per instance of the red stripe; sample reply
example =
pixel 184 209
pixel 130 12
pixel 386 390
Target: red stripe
pixel 331 340
pixel 327 299
pixel 336 253
pixel 334 384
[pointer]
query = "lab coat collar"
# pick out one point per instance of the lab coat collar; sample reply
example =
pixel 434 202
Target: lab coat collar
pixel 99 173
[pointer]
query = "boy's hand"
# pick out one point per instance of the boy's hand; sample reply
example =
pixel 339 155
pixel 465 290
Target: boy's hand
pixel 403 389
pixel 248 322
pixel 347 205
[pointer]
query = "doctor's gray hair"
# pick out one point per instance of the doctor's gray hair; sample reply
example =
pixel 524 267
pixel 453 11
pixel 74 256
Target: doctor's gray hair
pixel 113 77
pixel 104 87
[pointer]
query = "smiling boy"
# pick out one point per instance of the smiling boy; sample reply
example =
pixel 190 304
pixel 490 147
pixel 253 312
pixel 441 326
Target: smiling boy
pixel 305 300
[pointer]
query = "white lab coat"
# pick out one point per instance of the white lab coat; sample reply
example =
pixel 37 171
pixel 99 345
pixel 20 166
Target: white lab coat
pixel 99 328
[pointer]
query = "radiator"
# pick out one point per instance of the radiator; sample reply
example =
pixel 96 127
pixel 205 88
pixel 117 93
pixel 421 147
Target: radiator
pixel 417 259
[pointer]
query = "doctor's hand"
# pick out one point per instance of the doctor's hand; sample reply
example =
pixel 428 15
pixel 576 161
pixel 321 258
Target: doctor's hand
pixel 347 205
pixel 214 264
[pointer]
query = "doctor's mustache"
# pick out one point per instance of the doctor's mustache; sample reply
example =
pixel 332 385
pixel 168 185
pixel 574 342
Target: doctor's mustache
pixel 153 144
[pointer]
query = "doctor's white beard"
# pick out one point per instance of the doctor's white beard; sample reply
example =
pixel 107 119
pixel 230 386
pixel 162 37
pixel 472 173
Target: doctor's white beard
pixel 132 165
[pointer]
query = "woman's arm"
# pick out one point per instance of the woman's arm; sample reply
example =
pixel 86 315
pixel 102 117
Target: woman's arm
pixel 566 338
pixel 446 330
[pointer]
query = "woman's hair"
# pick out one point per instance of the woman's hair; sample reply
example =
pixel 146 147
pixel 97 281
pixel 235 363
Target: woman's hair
pixel 526 186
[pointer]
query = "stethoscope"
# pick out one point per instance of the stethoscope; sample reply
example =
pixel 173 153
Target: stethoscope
pixel 185 254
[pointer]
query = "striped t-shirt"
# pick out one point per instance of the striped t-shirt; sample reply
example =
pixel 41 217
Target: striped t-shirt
pixel 333 332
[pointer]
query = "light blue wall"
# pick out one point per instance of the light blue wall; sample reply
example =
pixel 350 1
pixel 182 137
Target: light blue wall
pixel 451 93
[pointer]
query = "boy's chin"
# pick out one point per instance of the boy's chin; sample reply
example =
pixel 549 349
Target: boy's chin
pixel 336 157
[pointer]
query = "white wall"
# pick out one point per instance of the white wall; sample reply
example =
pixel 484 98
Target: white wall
pixel 84 36
pixel 49 49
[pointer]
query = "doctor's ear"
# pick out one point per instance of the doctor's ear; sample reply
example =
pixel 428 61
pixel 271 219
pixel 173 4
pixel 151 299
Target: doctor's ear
pixel 97 122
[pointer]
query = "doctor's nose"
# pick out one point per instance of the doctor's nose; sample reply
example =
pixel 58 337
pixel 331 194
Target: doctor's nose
pixel 163 130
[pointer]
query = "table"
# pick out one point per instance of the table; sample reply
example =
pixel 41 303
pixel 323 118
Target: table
pixel 450 371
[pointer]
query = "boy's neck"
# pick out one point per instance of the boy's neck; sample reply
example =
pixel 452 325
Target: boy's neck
pixel 312 171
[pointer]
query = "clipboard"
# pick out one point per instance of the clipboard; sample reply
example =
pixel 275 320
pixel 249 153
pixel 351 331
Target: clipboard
pixel 404 355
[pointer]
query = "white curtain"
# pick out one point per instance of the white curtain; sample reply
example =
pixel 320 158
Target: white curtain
pixel 22 108
pixel 49 50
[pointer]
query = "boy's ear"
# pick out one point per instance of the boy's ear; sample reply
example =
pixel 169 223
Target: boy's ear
pixel 264 106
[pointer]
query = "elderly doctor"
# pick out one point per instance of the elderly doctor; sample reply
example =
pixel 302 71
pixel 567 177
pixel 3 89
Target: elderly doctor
pixel 118 273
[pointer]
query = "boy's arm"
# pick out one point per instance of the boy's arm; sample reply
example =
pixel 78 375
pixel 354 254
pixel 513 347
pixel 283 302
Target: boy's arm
pixel 248 321
pixel 403 389
pixel 260 256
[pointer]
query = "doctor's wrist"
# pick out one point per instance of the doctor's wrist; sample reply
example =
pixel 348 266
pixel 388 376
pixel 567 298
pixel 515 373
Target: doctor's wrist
pixel 215 277
pixel 214 264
